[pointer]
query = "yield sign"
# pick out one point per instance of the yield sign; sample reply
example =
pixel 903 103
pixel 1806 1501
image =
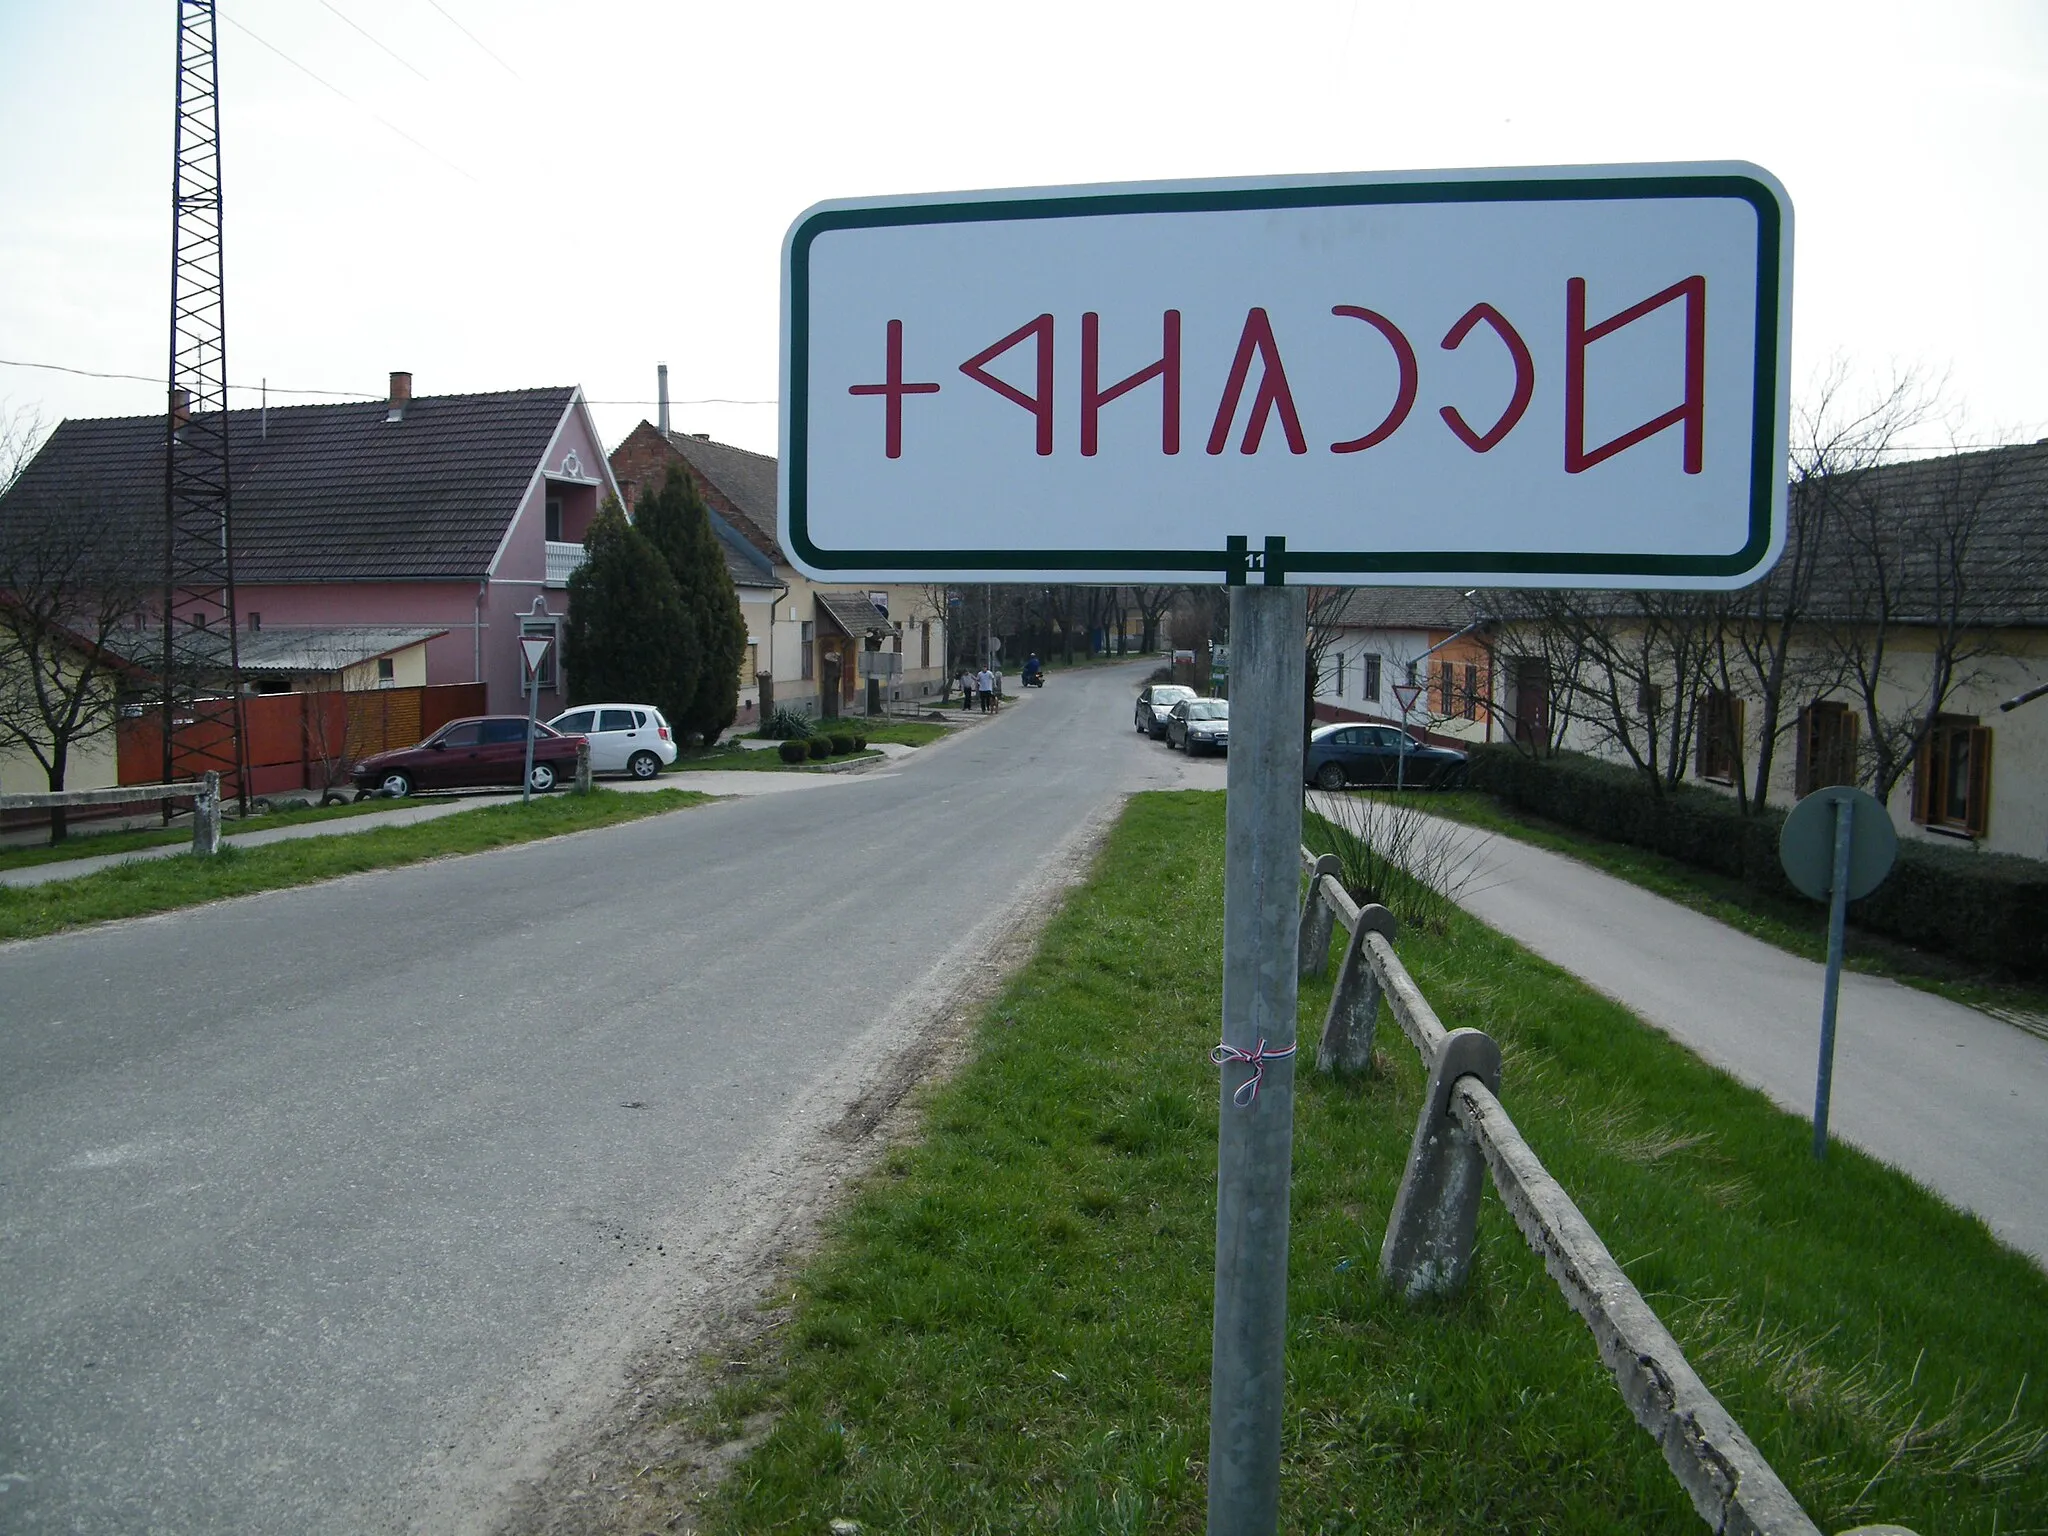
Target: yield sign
pixel 535 651
pixel 1405 695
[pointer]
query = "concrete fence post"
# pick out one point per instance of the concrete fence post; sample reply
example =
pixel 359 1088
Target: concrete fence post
pixel 206 816
pixel 1312 932
pixel 583 767
pixel 1354 1013
pixel 1428 1251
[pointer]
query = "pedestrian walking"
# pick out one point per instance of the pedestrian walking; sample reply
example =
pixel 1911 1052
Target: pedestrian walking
pixel 966 681
pixel 986 684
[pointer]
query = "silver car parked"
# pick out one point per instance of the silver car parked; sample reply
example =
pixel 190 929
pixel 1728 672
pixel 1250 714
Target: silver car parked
pixel 1155 703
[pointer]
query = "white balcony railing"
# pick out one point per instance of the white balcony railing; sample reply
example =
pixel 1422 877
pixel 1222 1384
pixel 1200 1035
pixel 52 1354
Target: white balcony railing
pixel 562 559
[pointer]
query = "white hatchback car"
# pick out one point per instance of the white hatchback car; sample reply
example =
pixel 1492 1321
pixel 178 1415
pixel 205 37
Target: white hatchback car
pixel 624 738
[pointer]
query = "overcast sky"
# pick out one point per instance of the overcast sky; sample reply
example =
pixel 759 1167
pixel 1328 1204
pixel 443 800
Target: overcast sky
pixel 501 193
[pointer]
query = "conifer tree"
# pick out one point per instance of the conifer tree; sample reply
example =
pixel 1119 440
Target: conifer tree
pixel 628 633
pixel 677 523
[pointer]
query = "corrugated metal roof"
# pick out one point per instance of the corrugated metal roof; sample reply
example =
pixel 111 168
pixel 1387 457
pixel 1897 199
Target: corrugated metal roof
pixel 854 612
pixel 325 650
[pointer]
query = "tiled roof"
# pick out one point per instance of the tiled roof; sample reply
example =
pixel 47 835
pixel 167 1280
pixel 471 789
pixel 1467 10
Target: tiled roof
pixel 330 492
pixel 1399 608
pixel 744 478
pixel 854 612
pixel 1998 498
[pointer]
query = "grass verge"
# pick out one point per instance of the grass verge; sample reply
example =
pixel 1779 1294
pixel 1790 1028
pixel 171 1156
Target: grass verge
pixel 94 845
pixel 1800 927
pixel 735 759
pixel 162 885
pixel 902 733
pixel 1008 1328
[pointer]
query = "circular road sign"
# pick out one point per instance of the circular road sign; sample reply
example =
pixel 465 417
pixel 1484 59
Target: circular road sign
pixel 1806 846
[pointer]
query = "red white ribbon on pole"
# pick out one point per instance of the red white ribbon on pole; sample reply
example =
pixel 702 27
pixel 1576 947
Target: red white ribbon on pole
pixel 1248 1091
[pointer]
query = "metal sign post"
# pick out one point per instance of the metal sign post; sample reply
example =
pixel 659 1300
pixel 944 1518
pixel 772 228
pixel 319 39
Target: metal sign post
pixel 1255 1143
pixel 1405 695
pixel 1469 378
pixel 1837 846
pixel 533 651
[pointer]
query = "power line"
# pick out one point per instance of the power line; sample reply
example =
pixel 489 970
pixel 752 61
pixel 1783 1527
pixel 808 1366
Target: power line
pixel 144 378
pixel 344 95
pixel 458 26
pixel 408 64
pixel 708 400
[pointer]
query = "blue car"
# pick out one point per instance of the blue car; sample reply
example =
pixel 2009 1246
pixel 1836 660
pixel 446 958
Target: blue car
pixel 1378 755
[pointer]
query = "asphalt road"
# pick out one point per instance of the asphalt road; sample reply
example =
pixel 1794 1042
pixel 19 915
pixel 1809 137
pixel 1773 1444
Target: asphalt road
pixel 336 1209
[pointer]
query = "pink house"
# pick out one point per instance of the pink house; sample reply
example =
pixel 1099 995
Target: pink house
pixel 461 514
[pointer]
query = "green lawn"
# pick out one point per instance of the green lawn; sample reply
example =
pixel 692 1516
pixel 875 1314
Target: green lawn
pixel 1797 926
pixel 88 844
pixel 162 885
pixel 738 759
pixel 902 733
pixel 1008 1328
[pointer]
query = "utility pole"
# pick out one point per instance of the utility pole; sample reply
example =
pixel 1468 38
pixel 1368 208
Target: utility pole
pixel 201 651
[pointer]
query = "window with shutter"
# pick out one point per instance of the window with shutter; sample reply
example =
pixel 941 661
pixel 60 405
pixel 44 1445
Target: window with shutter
pixel 1952 777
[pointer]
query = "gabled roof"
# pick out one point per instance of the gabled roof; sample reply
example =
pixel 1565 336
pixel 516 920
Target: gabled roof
pixel 855 613
pixel 745 478
pixel 330 492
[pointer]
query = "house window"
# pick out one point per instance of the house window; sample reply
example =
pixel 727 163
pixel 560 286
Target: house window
pixel 924 645
pixel 1826 746
pixel 1369 685
pixel 1717 753
pixel 543 629
pixel 753 662
pixel 1471 691
pixel 1649 700
pixel 806 651
pixel 1340 674
pixel 1952 777
pixel 554 520
pixel 255 621
pixel 1446 689
pixel 387 672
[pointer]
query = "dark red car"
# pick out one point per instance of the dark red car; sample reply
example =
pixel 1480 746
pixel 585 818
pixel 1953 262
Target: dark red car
pixel 484 751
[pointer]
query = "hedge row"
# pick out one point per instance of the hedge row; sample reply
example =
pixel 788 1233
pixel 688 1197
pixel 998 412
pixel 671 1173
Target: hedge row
pixel 1988 908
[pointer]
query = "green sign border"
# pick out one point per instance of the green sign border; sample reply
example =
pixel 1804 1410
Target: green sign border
pixel 1229 562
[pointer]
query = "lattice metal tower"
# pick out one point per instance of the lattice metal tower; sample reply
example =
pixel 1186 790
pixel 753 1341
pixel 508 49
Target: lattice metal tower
pixel 202 675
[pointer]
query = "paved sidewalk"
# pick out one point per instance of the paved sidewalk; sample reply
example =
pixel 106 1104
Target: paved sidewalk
pixel 1951 1096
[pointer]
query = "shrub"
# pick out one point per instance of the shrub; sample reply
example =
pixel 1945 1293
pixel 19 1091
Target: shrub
pixel 786 724
pixel 820 747
pixel 860 742
pixel 1988 908
pixel 841 743
pixel 794 751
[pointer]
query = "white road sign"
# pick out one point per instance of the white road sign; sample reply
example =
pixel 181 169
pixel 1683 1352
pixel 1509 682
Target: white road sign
pixel 1559 376
pixel 535 652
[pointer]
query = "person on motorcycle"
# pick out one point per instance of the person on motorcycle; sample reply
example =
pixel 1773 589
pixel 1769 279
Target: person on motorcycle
pixel 1031 670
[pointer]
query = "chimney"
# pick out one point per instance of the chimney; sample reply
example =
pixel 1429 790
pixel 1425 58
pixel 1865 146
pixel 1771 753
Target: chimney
pixel 401 396
pixel 661 394
pixel 181 409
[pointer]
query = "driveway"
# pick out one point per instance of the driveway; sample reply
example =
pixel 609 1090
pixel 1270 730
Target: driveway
pixel 1951 1096
pixel 348 1208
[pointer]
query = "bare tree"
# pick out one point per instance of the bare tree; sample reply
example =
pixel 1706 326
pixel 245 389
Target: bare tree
pixel 1928 574
pixel 75 579
pixel 1153 605
pixel 1627 666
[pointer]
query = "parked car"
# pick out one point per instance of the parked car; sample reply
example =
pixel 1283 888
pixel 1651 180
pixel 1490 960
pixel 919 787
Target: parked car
pixel 1378 754
pixel 480 752
pixel 1199 725
pixel 1155 702
pixel 624 738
